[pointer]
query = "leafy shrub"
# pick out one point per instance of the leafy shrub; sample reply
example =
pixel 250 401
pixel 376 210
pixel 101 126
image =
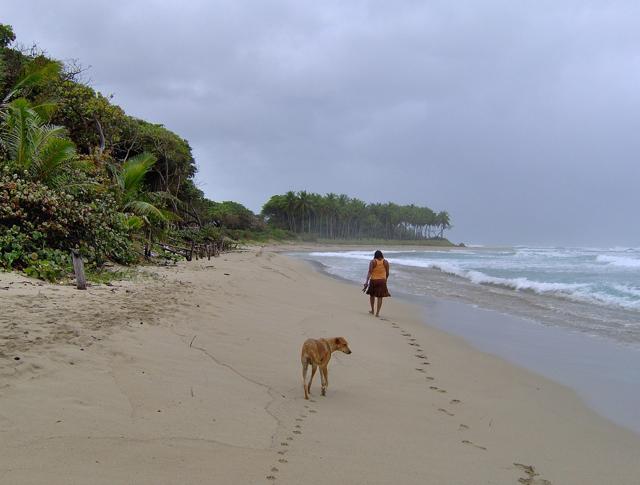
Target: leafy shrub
pixel 39 225
pixel 201 235
pixel 53 266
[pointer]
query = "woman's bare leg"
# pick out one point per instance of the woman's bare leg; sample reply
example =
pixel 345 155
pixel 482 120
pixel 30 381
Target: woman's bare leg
pixel 371 301
pixel 379 306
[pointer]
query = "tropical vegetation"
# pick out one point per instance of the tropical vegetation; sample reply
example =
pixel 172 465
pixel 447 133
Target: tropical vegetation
pixel 340 217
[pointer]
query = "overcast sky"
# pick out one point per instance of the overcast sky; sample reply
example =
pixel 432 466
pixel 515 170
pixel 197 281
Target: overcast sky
pixel 520 118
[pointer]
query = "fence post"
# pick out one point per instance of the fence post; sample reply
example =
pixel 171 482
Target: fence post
pixel 78 269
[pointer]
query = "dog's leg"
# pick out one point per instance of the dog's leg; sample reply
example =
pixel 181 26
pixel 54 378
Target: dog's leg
pixel 314 367
pixel 324 373
pixel 305 365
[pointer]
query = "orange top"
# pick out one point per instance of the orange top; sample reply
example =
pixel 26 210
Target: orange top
pixel 379 272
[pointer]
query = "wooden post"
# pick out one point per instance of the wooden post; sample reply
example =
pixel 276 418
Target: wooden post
pixel 209 252
pixel 190 255
pixel 78 269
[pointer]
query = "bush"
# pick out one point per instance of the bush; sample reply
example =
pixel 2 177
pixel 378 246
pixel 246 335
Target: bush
pixel 39 225
pixel 199 235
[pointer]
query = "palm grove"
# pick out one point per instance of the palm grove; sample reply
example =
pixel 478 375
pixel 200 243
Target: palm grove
pixel 77 172
pixel 340 217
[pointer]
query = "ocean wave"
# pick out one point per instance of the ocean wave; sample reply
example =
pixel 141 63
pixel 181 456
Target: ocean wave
pixel 520 283
pixel 628 290
pixel 582 292
pixel 601 298
pixel 619 261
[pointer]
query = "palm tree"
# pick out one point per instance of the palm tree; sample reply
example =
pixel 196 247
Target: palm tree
pixel 443 221
pixel 291 204
pixel 129 178
pixel 305 206
pixel 40 149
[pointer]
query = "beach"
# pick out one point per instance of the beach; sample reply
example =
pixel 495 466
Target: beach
pixel 191 374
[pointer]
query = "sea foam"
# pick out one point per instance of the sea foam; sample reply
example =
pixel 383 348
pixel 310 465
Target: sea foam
pixel 619 261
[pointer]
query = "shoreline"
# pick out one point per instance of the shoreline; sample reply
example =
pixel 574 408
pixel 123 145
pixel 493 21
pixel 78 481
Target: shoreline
pixel 595 368
pixel 208 387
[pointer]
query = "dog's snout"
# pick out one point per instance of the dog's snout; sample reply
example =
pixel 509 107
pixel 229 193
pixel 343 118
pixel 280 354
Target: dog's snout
pixel 348 351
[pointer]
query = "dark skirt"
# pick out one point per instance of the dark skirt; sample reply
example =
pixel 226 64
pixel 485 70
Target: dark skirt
pixel 378 288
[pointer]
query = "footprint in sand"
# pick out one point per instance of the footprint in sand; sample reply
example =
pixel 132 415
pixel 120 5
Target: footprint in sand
pixel 462 427
pixel 312 411
pixel 297 431
pixel 421 356
pixel 284 444
pixel 531 475
pixel 429 378
pixel 467 442
pixel 298 426
pixel 443 410
pixel 300 419
pixel 420 369
pixel 434 388
pixel 274 469
pixel 283 460
pixel 282 452
pixel 455 401
pixel 270 477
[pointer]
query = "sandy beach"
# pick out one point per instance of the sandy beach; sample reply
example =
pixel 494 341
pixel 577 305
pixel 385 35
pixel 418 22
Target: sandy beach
pixel 191 374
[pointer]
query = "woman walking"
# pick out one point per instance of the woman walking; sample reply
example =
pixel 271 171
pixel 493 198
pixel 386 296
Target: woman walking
pixel 377 280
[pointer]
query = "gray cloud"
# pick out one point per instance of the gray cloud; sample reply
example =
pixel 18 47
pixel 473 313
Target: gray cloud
pixel 517 117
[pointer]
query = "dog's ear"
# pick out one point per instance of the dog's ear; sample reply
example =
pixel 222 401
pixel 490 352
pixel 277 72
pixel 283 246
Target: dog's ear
pixel 339 341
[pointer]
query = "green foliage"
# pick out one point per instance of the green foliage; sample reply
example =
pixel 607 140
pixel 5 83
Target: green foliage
pixel 341 217
pixel 175 163
pixel 48 264
pixel 6 35
pixel 40 149
pixel 233 215
pixel 91 119
pixel 129 179
pixel 35 218
pixel 199 235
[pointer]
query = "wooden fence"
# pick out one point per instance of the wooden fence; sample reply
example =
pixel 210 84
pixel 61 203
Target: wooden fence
pixel 198 250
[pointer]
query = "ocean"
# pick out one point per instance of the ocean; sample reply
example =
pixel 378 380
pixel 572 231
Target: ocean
pixel 591 290
pixel 570 314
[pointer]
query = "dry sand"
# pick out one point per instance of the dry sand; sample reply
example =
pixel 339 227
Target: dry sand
pixel 192 376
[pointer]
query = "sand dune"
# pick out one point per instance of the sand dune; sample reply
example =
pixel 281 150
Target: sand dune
pixel 191 375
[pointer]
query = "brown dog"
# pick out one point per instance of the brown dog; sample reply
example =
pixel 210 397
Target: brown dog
pixel 317 352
